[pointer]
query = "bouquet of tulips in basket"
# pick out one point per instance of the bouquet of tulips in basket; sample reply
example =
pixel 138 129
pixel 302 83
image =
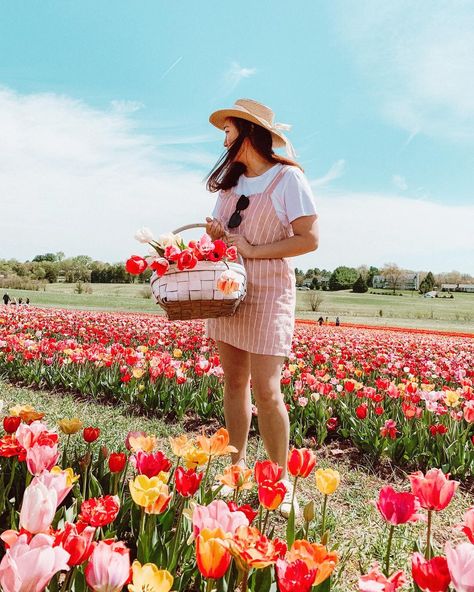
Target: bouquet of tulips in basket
pixel 170 249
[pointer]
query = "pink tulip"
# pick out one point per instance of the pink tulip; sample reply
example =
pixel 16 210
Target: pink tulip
pixel 467 527
pixel 217 515
pixel 56 481
pixel 397 508
pixel 109 567
pixel 41 458
pixel 434 490
pixel 38 508
pixel 461 566
pixel 375 581
pixel 29 567
pixel 27 435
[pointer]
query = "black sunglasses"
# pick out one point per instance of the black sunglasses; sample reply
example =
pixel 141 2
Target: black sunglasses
pixel 236 218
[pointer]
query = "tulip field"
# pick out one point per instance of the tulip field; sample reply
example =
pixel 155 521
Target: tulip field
pixel 143 518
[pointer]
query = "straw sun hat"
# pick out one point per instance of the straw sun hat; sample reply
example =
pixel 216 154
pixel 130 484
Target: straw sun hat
pixel 259 114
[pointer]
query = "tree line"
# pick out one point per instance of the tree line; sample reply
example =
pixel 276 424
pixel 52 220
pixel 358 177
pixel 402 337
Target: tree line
pixel 54 267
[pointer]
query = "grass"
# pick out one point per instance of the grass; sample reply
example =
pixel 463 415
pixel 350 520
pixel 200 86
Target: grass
pixel 353 519
pixel 408 310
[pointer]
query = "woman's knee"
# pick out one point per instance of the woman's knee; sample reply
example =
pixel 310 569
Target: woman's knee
pixel 267 396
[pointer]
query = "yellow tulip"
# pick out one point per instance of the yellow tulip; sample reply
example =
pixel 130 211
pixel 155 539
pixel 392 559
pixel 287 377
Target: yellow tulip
pixel 177 353
pixel 327 480
pixel 17 409
pixel 150 493
pixel 149 578
pixel 451 398
pixel 195 457
pixel 70 426
pixel 137 372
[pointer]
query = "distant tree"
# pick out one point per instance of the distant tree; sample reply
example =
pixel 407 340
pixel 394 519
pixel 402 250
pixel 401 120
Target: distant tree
pixel 315 283
pixel 60 256
pixel 393 275
pixel 45 257
pixel 373 271
pixel 342 278
pixel 360 286
pixel 427 284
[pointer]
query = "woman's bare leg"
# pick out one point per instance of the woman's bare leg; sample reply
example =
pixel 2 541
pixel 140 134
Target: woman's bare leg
pixel 273 419
pixel 237 403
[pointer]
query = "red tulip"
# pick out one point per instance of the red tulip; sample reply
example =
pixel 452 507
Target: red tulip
pixel 271 494
pixel 11 423
pixel 151 464
pixel 136 265
pixel 90 434
pixel 294 575
pixel 397 508
pixel 160 266
pixel 432 575
pixel 246 509
pixel 434 490
pixel 187 482
pixel 186 260
pixel 301 462
pixel 361 411
pixel 117 462
pixel 331 424
pixel 76 539
pixel 266 470
pixel 100 511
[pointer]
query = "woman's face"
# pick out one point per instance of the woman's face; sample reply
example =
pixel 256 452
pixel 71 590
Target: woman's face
pixel 231 133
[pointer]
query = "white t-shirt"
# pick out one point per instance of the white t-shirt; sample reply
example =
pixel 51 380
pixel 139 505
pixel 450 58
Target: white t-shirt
pixel 292 197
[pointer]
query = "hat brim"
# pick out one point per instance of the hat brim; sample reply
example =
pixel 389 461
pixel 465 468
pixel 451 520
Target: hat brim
pixel 218 120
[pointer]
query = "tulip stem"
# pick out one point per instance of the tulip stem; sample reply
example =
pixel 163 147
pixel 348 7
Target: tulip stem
pixel 323 520
pixel 142 522
pixel 389 548
pixel 209 584
pixel 265 521
pixel 122 487
pixel 428 535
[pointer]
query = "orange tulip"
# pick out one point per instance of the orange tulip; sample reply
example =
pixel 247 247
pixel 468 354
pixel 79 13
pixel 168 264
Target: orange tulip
pixel 270 495
pixel 217 444
pixel 213 558
pixel 315 556
pixel 301 461
pixel 236 477
pixel 253 549
pixel 145 443
pixel 180 445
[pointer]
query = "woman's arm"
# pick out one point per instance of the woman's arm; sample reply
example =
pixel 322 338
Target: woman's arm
pixel 305 240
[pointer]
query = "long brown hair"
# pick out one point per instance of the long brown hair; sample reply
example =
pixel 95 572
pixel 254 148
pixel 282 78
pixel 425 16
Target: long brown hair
pixel 226 172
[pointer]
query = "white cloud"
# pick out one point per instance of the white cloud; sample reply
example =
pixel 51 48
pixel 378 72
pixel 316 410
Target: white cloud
pixel 399 182
pixel 233 76
pixel 82 181
pixel 126 106
pixel 418 60
pixel 358 228
pixel 336 171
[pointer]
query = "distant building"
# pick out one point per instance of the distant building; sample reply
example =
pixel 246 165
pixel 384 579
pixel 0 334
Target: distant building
pixel 409 281
pixel 457 287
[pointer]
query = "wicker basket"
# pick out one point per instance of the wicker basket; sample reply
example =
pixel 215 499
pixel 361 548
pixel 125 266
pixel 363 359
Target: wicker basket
pixel 193 293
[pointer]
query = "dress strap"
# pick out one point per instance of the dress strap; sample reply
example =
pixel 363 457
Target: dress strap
pixel 276 179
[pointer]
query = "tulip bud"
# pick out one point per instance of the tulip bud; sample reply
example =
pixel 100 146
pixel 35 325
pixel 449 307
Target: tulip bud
pixel 85 461
pixel 11 423
pixel 91 434
pixel 117 461
pixel 309 511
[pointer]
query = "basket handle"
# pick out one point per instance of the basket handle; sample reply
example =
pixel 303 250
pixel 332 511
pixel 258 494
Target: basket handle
pixel 202 225
pixel 189 226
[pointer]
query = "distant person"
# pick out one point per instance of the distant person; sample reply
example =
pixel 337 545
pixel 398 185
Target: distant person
pixel 320 321
pixel 326 321
pixel 6 298
pixel 20 300
pixel 27 302
pixel 338 322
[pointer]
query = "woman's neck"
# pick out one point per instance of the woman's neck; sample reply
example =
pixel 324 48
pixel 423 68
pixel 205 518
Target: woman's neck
pixel 257 167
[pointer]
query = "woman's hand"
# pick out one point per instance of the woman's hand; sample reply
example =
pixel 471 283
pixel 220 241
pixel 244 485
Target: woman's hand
pixel 215 229
pixel 244 248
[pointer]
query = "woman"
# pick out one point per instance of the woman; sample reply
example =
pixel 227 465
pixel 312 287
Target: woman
pixel 265 208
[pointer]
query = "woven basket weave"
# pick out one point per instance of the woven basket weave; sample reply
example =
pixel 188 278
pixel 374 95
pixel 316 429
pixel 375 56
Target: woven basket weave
pixel 193 293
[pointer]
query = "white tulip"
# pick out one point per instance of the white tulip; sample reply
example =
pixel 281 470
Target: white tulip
pixel 144 235
pixel 169 240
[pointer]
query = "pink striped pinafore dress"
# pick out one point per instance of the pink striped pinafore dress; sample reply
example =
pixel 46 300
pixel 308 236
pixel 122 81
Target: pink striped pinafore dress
pixel 264 321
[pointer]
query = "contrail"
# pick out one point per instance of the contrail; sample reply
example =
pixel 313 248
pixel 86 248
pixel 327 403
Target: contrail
pixel 173 65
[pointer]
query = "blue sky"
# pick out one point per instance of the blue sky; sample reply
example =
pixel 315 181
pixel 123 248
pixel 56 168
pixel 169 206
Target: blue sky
pixel 105 107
